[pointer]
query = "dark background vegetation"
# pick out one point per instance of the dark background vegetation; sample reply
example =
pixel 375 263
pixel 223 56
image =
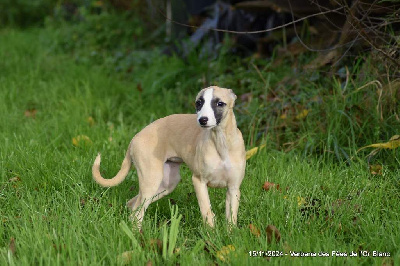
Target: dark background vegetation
pixel 326 85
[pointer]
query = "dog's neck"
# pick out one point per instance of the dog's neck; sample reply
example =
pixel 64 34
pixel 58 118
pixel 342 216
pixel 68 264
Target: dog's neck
pixel 223 134
pixel 222 137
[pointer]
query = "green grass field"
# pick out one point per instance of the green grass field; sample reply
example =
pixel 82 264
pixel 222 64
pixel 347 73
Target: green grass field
pixel 52 212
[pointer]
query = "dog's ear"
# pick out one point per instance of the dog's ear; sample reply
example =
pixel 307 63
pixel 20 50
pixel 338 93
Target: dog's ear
pixel 233 96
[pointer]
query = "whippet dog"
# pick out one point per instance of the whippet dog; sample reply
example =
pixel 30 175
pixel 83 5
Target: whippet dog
pixel 209 143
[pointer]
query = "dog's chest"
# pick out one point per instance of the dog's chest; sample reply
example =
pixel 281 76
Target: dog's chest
pixel 217 171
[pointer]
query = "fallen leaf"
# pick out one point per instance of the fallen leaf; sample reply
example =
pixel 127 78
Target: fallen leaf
pixel 90 121
pixel 149 263
pixel 125 258
pixel 254 230
pixel 303 114
pixel 300 201
pixel 139 87
pixel 250 153
pixel 223 253
pixel 14 179
pixel 375 169
pixel 393 143
pixel 30 113
pixel 177 250
pixel 11 246
pixel 269 185
pixel 81 140
pixel 272 233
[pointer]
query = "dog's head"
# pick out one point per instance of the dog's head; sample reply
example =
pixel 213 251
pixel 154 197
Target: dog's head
pixel 212 105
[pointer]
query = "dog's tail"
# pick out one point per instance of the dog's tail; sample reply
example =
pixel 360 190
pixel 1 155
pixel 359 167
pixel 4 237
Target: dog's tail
pixel 122 173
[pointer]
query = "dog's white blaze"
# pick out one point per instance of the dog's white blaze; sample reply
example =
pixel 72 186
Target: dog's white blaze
pixel 207 110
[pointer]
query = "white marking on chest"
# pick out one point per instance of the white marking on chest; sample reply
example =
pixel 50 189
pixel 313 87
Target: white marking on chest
pixel 206 110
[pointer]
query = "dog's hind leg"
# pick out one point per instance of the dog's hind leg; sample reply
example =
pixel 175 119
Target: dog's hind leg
pixel 170 180
pixel 153 188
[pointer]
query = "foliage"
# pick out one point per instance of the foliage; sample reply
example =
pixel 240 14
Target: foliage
pixel 25 13
pixel 328 112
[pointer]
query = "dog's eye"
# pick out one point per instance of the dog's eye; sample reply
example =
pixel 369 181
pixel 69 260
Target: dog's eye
pixel 220 104
pixel 199 103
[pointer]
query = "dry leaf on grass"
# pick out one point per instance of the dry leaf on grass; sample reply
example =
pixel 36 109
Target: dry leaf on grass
pixel 14 179
pixel 269 185
pixel 224 252
pixel 30 113
pixel 11 246
pixel 301 201
pixel 81 141
pixel 125 258
pixel 303 114
pixel 254 230
pixel 375 169
pixel 139 87
pixel 250 153
pixel 272 233
pixel 90 121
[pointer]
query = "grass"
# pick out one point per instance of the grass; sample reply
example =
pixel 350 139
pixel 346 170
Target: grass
pixel 53 213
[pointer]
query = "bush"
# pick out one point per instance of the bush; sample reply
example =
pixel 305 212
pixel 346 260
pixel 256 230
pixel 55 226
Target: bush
pixel 25 13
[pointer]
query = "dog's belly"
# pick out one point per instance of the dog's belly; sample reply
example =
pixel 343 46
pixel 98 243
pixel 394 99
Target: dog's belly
pixel 175 160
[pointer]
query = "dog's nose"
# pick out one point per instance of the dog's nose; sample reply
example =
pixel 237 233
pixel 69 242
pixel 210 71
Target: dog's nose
pixel 203 120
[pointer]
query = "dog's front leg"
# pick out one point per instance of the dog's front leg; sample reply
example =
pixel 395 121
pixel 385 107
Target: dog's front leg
pixel 204 200
pixel 232 204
